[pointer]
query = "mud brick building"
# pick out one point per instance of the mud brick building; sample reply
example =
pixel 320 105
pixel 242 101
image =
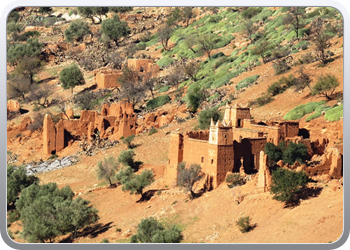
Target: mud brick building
pixel 107 78
pixel 229 144
pixel 116 119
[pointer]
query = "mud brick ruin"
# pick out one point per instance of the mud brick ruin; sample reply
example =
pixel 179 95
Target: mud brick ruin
pixel 235 142
pixel 107 78
pixel 117 120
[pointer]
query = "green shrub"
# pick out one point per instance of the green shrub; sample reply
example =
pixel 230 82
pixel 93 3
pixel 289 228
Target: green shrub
pixel 77 30
pixel 294 152
pixel 274 153
pixel 149 230
pixel 158 102
pixel 195 98
pixel 105 240
pixel 286 184
pixel 234 180
pixel 152 131
pixel 244 224
pixel 262 100
pixel 246 82
pixel 128 141
pixel 301 110
pixel 334 114
pixel 282 84
pixel 302 45
pixel 141 46
pixel 205 116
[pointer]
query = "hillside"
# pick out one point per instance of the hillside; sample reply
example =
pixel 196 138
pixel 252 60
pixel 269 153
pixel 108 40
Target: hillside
pixel 220 55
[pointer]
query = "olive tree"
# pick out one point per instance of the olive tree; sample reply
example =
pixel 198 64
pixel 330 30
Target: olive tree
pixel 187 177
pixel 71 76
pixel 114 29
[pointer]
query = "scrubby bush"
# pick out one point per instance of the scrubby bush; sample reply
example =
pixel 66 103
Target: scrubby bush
pixel 281 66
pixel 37 122
pixel 106 169
pixel 126 158
pixel 47 212
pixel 152 131
pixel 286 185
pixel 234 180
pixel 17 180
pixel 325 86
pixel 282 84
pixel 77 30
pixel 163 89
pixel 149 230
pixel 262 100
pixel 205 116
pixel 128 141
pixel 243 224
pixel 135 183
pixel 194 99
pixel 158 102
pixel 85 100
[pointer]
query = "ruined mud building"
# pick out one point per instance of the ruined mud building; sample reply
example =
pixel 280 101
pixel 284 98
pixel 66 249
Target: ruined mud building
pixel 108 78
pixel 117 119
pixel 229 144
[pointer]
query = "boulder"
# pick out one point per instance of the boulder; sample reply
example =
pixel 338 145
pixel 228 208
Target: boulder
pixel 13 106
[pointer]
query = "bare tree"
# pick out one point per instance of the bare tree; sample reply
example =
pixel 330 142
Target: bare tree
pixel 321 39
pixel 41 93
pixel 191 69
pixel 131 88
pixel 149 82
pixel 248 28
pixel 164 34
pixel 17 87
pixel 28 67
pixel 295 19
pixel 176 74
pixel 206 43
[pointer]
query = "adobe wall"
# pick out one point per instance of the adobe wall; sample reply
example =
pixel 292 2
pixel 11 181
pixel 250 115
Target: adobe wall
pixel 122 123
pixel 239 133
pixel 49 135
pixel 273 133
pixel 175 157
pixel 143 65
pixel 248 151
pixel 195 152
pixel 199 135
pixel 107 78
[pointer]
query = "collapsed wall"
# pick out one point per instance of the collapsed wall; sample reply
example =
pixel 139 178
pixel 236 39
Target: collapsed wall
pixel 118 120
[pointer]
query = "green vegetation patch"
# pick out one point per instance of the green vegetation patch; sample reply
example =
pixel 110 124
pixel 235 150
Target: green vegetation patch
pixel 247 82
pixel 158 101
pixel 164 89
pixel 165 61
pixel 301 110
pixel 334 114
pixel 317 113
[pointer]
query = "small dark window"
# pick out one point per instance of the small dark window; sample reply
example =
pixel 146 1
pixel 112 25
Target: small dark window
pixel 212 161
pixel 239 123
pixel 202 159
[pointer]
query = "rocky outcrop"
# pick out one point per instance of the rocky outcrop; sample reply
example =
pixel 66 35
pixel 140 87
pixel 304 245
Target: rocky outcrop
pixel 51 165
pixel 13 106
